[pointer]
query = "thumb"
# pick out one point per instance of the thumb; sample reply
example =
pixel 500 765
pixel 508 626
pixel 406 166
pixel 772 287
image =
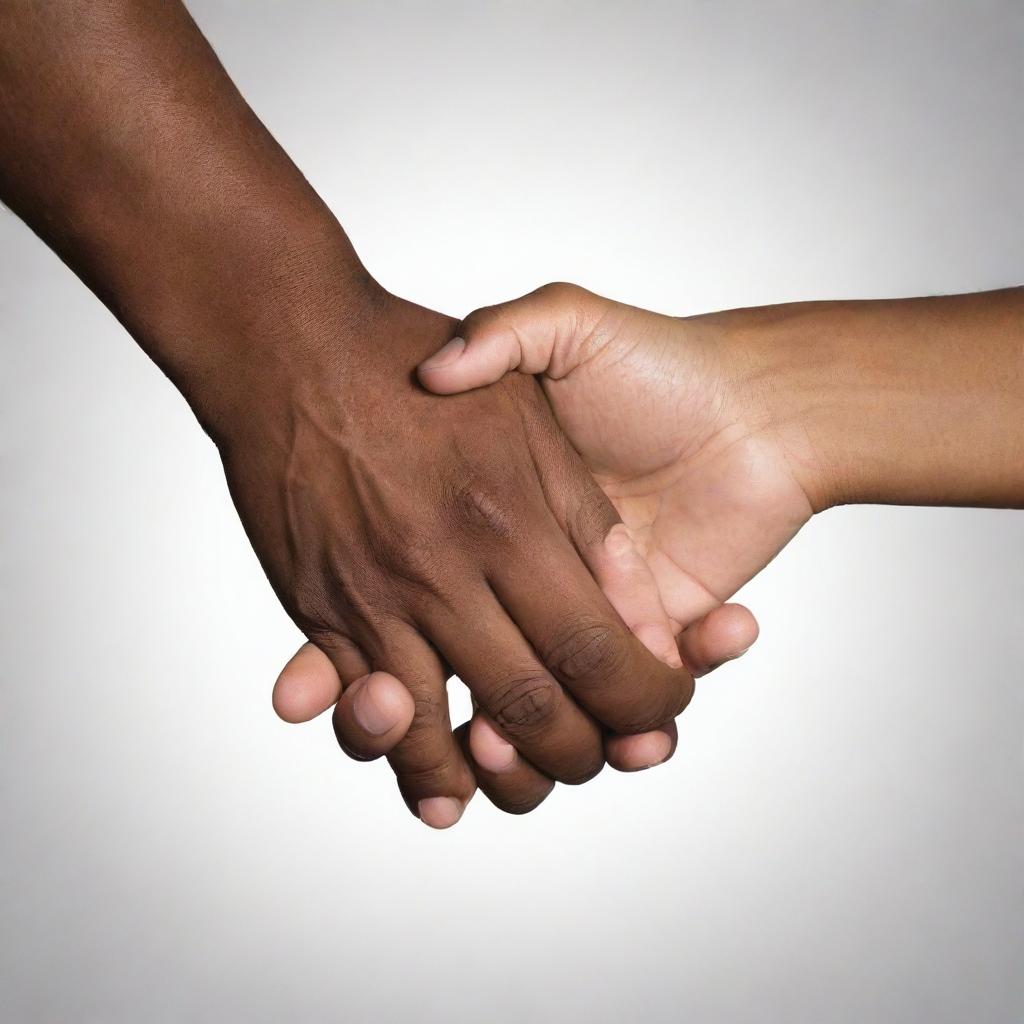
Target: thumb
pixel 539 333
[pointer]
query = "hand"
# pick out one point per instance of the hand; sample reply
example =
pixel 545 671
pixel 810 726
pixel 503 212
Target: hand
pixel 401 533
pixel 739 424
pixel 415 537
pixel 661 412
pixel 645 428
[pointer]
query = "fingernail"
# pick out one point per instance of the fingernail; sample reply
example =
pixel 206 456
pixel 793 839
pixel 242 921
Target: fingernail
pixel 656 748
pixel 440 811
pixel 370 716
pixel 445 356
pixel 490 750
pixel 654 639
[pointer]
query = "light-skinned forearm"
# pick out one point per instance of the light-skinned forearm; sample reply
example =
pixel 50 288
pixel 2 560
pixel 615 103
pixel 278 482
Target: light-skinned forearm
pixel 908 401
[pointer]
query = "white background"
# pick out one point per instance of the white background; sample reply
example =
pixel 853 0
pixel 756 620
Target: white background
pixel 840 836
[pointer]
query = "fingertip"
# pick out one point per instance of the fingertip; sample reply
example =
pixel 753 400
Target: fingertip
pixel 437 373
pixel 645 750
pixel 738 627
pixel 489 749
pixel 658 639
pixel 307 686
pixel 440 812
pixel 381 704
pixel 724 634
pixel 447 355
pixel 463 365
pixel 373 716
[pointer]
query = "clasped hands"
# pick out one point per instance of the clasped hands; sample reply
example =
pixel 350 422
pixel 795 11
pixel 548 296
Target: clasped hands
pixel 564 544
pixel 552 500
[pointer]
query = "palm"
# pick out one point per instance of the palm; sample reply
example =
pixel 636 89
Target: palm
pixel 708 501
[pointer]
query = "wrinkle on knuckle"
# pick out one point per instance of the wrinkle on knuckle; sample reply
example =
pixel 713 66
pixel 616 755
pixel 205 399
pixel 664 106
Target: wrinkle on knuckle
pixel 481 510
pixel 587 652
pixel 429 712
pixel 526 704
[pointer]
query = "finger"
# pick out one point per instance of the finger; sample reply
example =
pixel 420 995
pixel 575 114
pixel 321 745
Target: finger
pixel 539 333
pixel 433 775
pixel 513 687
pixel 508 780
pixel 373 715
pixel 635 753
pixel 311 683
pixel 583 642
pixel 571 624
pixel 370 716
pixel 627 582
pixel 685 598
pixel 724 634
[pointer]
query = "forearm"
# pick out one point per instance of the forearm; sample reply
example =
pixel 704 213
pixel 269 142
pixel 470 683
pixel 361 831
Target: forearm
pixel 128 149
pixel 915 401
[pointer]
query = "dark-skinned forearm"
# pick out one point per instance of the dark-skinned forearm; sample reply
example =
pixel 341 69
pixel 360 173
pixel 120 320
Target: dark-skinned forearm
pixel 129 150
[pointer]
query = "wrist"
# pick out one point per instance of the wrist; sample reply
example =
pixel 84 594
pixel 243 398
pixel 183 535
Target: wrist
pixel 242 320
pixel 914 401
pixel 799 381
pixel 335 361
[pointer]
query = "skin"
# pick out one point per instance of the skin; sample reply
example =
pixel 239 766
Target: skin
pixel 717 437
pixel 404 535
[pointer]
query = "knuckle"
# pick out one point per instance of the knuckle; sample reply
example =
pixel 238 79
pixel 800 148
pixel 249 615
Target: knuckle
pixel 429 712
pixel 479 321
pixel 481 510
pixel 415 560
pixel 587 652
pixel 575 305
pixel 561 291
pixel 428 777
pixel 526 704
pixel 312 611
